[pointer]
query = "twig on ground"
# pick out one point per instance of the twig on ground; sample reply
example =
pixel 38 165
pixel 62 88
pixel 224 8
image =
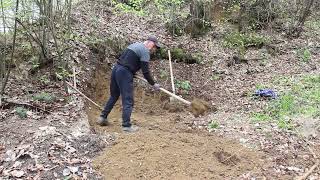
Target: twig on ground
pixel 12 103
pixel 305 175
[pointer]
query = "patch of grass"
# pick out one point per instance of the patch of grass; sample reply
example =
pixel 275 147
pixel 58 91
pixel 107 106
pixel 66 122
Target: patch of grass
pixel 133 6
pixel 301 96
pixel 260 117
pixel 62 73
pixel 284 124
pixel 213 124
pixel 304 54
pixel 44 97
pixel 21 112
pixel 260 86
pixel 215 77
pixel 163 74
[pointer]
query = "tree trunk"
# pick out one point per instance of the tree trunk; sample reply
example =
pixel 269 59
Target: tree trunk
pixel 12 52
pixel 297 29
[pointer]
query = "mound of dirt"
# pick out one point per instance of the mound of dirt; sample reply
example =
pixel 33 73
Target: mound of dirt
pixel 152 154
pixel 164 147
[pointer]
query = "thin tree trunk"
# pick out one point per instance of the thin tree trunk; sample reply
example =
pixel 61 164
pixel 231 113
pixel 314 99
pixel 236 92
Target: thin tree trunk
pixel 4 55
pixel 297 29
pixel 306 13
pixel 12 53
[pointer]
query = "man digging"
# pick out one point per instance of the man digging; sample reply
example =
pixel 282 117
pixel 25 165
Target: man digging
pixel 135 57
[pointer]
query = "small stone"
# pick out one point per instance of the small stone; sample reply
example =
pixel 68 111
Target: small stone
pixel 66 172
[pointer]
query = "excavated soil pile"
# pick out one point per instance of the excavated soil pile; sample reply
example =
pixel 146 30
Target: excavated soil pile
pixel 165 147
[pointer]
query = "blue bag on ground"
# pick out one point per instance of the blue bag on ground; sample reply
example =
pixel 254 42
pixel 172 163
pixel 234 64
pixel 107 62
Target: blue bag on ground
pixel 265 93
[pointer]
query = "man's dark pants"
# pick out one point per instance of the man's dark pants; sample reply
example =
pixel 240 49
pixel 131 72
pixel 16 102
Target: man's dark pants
pixel 121 84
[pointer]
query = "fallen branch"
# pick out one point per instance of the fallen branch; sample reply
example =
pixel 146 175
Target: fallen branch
pixel 97 105
pixel 27 105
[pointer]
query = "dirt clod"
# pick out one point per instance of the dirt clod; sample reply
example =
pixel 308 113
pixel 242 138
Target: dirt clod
pixel 173 106
pixel 226 158
pixel 199 107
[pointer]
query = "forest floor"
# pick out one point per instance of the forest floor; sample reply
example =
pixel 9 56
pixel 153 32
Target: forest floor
pixel 57 138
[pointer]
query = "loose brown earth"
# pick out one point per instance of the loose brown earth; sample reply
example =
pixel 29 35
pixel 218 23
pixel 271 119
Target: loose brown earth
pixel 165 147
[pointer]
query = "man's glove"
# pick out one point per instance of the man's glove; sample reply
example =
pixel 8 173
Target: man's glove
pixel 156 87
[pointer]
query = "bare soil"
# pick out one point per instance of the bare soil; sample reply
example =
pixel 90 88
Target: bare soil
pixel 165 147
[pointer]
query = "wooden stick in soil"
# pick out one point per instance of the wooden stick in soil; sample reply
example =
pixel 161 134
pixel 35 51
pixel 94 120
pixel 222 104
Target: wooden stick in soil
pixel 171 73
pixel 74 78
pixel 97 105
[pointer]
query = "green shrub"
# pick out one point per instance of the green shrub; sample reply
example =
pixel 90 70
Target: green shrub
pixel 62 73
pixel 184 85
pixel 21 112
pixel 237 39
pixel 241 41
pixel 213 124
pixel 44 79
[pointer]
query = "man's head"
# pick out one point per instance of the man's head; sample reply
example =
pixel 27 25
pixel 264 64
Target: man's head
pixel 152 43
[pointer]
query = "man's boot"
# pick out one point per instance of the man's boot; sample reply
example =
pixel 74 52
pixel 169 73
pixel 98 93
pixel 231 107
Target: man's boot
pixel 102 121
pixel 131 129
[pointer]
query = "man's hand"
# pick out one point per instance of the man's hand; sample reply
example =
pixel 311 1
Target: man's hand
pixel 156 87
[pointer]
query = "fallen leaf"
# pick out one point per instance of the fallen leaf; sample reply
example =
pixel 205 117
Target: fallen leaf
pixel 74 169
pixel 74 161
pixel 71 149
pixel 17 173
pixel 29 113
pixel 6 172
pixel 36 177
pixel 84 176
pixel 9 156
pixel 17 164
